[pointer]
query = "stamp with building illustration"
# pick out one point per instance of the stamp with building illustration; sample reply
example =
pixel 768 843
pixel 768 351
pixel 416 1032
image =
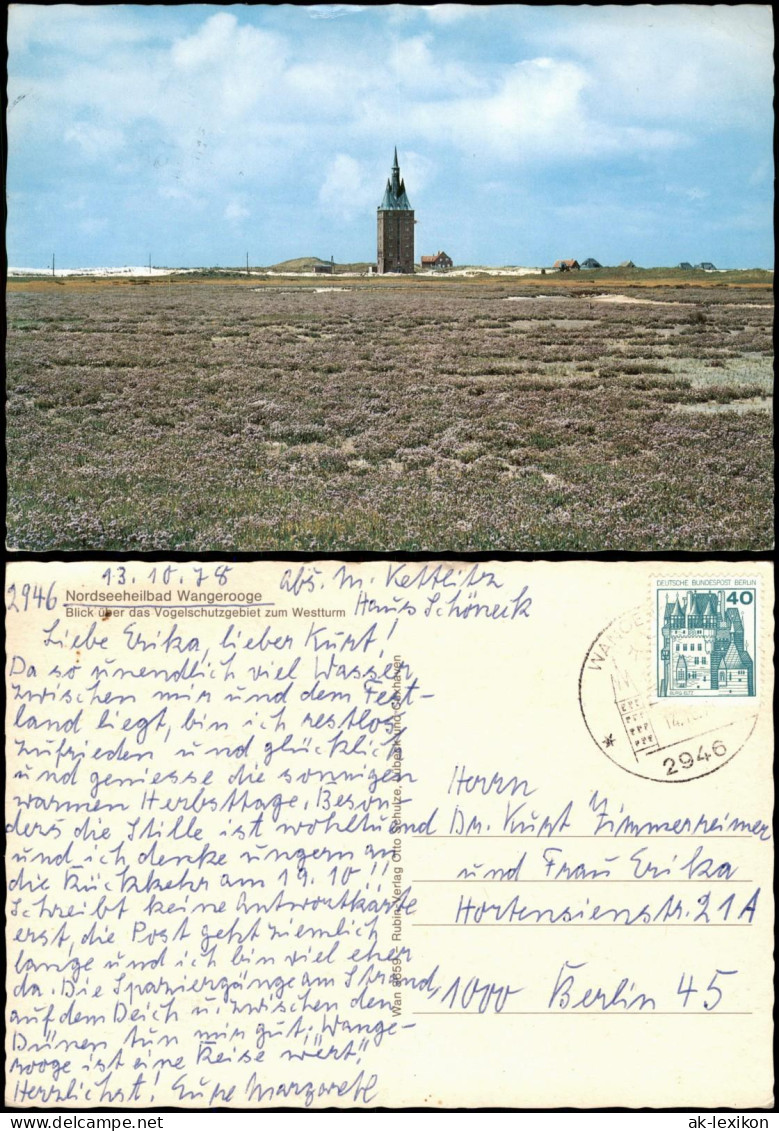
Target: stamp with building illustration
pixel 705 639
pixel 668 689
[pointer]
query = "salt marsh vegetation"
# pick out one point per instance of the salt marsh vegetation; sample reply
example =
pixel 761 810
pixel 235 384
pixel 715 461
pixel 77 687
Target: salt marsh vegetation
pixel 388 416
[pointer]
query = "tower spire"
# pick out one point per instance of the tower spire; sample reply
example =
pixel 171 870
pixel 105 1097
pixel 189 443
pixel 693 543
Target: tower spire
pixel 396 174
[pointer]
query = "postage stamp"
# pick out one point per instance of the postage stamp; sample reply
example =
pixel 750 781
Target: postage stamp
pixel 705 639
pixel 669 690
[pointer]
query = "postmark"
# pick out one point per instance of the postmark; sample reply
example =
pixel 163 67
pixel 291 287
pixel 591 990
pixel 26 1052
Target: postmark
pixel 649 707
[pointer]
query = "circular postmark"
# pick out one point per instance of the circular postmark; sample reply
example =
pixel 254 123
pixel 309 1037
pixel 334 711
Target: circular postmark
pixel 662 739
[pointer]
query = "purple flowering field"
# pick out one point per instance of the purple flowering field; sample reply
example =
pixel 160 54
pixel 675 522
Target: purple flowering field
pixel 492 414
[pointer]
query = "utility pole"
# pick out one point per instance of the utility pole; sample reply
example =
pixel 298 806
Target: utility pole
pixel 150 263
pixel 52 265
pixel 247 262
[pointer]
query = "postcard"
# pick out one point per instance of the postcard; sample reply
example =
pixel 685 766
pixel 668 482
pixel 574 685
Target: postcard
pixel 448 278
pixel 387 834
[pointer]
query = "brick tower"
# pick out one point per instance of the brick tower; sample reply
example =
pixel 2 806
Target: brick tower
pixel 395 228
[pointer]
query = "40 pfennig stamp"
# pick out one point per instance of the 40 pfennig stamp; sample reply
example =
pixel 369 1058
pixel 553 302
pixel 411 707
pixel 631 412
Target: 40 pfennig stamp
pixel 705 640
pixel 669 690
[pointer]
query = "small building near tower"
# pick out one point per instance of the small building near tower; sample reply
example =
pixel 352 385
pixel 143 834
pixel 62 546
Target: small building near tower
pixel 438 262
pixel 395 228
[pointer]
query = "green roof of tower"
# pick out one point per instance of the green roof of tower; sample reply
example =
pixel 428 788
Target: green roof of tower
pixel 395 198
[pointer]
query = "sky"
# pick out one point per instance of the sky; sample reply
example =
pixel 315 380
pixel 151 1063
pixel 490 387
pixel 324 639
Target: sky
pixel 199 134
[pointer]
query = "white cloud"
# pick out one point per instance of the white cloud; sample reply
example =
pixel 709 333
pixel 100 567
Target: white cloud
pixel 449 13
pixel 315 90
pixel 205 104
pixel 213 110
pixel 208 44
pixel 348 188
pixel 409 57
pixel 93 226
pixel 332 11
pixel 672 62
pixel 693 193
pixel 761 173
pixel 183 199
pixel 78 29
pixel 233 65
pixel 232 99
pixel 417 169
pixel 419 67
pixel 236 210
pixel 95 142
pixel 535 110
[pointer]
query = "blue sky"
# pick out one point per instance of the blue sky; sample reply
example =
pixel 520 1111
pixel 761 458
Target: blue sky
pixel 525 134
